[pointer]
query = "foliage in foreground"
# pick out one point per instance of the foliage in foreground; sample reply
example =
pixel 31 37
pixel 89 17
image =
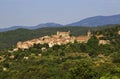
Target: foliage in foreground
pixel 68 61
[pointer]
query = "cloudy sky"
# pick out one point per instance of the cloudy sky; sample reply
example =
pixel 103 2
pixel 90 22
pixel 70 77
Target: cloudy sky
pixel 34 12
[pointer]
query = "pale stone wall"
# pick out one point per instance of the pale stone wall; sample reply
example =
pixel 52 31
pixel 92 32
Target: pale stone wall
pixel 119 32
pixel 63 34
pixel 104 41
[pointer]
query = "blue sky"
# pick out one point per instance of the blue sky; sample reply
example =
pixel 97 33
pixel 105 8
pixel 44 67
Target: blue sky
pixel 34 12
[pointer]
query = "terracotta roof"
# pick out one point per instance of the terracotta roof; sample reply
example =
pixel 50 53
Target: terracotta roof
pixel 82 38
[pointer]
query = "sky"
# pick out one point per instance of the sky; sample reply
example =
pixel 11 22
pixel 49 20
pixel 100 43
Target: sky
pixel 34 12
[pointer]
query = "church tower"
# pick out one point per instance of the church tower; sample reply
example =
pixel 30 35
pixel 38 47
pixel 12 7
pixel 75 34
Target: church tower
pixel 89 33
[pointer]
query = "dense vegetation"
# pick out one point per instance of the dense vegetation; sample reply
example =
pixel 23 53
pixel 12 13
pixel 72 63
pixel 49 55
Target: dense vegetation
pixel 10 38
pixel 71 61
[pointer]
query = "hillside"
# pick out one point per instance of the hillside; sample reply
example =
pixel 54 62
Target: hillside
pixel 70 61
pixel 10 38
pixel 98 21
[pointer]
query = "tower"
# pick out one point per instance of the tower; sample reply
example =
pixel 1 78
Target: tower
pixel 89 33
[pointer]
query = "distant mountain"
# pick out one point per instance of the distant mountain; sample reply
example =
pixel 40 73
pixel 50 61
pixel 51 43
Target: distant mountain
pixel 91 21
pixel 45 25
pixel 10 28
pixel 31 27
pixel 98 21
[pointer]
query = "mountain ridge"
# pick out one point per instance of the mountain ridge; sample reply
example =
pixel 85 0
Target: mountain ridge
pixel 31 27
pixel 89 22
pixel 98 21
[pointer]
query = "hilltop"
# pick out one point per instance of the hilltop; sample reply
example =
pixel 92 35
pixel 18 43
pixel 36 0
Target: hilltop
pixel 31 27
pixel 98 21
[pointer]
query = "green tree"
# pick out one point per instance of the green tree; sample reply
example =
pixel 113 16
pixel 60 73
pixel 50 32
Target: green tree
pixel 116 57
pixel 92 46
pixel 83 70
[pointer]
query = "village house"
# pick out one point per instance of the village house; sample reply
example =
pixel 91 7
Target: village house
pixel 26 58
pixel 99 36
pixel 11 56
pixel 104 42
pixel 63 34
pixel 119 32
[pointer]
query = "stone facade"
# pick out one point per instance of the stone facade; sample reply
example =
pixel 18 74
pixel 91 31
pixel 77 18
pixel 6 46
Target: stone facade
pixel 84 39
pixel 101 41
pixel 63 34
pixel 119 32
pixel 104 42
pixel 99 36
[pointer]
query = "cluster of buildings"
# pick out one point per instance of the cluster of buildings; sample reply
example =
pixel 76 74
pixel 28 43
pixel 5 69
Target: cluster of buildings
pixel 59 39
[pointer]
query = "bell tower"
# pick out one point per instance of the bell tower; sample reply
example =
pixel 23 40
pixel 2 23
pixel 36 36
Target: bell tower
pixel 89 33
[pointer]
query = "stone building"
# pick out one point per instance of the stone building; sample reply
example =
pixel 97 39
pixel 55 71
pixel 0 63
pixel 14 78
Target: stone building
pixel 63 34
pixel 85 38
pixel 119 32
pixel 104 42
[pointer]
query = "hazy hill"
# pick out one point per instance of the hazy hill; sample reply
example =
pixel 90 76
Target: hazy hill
pixel 45 25
pixel 31 27
pixel 98 21
pixel 91 21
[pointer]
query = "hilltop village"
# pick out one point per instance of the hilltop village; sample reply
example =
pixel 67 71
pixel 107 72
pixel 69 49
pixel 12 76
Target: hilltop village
pixel 61 53
pixel 58 39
